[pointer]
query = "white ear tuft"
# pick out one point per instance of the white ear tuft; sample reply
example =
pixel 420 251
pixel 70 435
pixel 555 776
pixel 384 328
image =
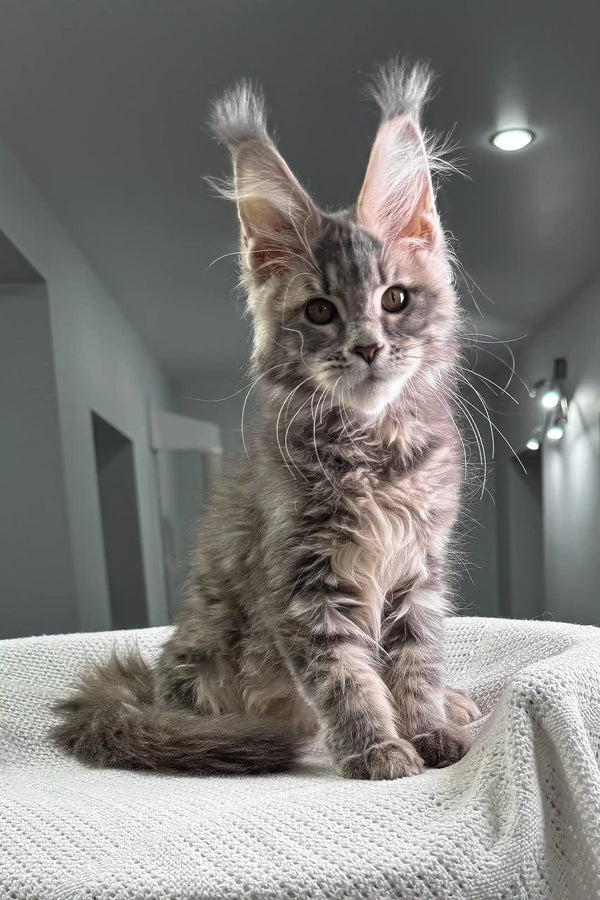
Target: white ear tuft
pixel 401 89
pixel 239 115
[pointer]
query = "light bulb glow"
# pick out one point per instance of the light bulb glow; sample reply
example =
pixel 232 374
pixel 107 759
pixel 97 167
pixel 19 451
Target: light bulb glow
pixel 555 432
pixel 511 139
pixel 533 444
pixel 550 398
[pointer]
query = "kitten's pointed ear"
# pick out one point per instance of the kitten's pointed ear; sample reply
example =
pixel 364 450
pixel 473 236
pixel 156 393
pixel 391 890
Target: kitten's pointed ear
pixel 276 214
pixel 397 199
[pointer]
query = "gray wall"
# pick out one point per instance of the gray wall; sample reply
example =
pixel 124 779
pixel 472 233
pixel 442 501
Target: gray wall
pixel 520 526
pixel 571 467
pixel 101 365
pixel 37 578
pixel 180 526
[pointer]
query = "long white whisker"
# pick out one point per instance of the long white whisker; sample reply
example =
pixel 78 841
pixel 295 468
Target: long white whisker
pixel 452 419
pixel 511 369
pixel 297 331
pixel 218 399
pixel 281 408
pixel 493 384
pixel 468 275
pixel 478 439
pixel 323 395
pixel 333 390
pixel 287 431
pixel 502 435
pixel 315 439
pixel 252 386
pixel 485 410
pixel 477 335
pixel 287 401
pixel 244 252
pixel 468 287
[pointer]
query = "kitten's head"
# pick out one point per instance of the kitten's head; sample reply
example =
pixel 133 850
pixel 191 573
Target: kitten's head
pixel 357 304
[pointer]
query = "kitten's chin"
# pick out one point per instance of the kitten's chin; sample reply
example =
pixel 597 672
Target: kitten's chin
pixel 371 398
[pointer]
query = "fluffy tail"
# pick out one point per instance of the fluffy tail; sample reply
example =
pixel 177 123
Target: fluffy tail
pixel 113 720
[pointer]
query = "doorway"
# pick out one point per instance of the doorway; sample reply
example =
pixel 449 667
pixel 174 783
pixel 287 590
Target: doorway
pixel 115 468
pixel 526 535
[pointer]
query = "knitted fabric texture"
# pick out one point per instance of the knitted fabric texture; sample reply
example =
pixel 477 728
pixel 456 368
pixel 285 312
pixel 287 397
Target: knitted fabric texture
pixel 518 817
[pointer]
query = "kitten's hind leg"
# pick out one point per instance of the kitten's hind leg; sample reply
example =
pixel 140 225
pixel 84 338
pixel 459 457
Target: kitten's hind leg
pixel 460 708
pixel 448 744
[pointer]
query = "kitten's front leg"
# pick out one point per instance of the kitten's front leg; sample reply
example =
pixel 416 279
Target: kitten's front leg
pixel 414 672
pixel 332 664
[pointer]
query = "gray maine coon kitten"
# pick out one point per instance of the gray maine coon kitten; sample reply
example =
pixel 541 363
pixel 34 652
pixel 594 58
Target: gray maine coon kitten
pixel 318 589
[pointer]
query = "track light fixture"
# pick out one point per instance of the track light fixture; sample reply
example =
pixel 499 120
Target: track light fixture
pixel 550 390
pixel 552 395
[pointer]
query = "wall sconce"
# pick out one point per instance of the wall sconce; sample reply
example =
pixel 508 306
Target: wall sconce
pixel 552 394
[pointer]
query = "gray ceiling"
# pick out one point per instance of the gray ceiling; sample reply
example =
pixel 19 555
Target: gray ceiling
pixel 104 104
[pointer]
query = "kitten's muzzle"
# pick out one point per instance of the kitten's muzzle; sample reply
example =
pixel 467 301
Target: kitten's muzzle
pixel 367 351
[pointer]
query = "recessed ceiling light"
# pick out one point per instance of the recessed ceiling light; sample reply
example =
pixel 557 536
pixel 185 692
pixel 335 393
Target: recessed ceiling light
pixel 533 443
pixel 511 139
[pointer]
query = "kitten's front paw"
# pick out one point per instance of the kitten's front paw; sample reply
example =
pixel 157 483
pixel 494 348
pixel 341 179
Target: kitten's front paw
pixel 392 759
pixel 460 709
pixel 443 746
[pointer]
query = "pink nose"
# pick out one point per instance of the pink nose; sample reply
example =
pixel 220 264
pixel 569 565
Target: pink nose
pixel 367 351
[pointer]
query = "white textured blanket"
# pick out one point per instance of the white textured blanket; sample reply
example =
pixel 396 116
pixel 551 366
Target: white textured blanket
pixel 519 817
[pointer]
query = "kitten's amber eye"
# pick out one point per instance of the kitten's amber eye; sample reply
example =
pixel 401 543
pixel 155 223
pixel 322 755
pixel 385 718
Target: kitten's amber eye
pixel 395 299
pixel 321 312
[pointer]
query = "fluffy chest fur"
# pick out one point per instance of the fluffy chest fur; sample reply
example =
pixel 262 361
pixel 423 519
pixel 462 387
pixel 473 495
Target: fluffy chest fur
pixel 378 538
pixel 382 540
